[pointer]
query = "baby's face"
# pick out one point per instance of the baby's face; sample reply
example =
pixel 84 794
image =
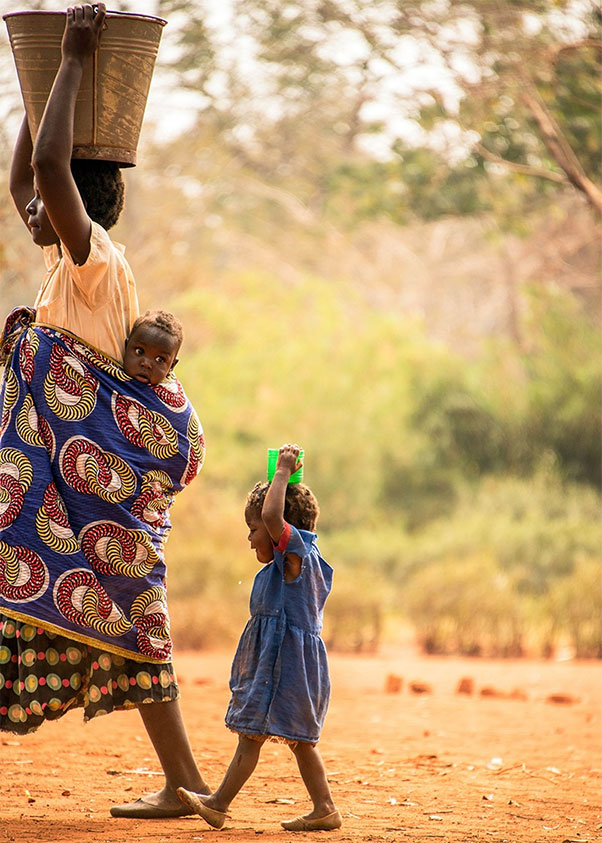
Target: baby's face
pixel 150 354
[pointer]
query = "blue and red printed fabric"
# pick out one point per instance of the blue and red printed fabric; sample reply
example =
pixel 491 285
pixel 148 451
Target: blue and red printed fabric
pixel 90 464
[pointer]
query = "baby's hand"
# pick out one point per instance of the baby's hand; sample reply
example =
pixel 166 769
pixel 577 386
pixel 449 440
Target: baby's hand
pixel 288 459
pixel 82 30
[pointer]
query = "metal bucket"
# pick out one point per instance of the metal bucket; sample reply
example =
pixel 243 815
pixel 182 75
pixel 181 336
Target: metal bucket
pixel 114 88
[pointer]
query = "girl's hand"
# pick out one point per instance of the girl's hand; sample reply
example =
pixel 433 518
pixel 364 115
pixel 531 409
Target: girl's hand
pixel 288 459
pixel 272 511
pixel 82 30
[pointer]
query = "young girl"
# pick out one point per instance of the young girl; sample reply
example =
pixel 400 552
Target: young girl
pixel 280 683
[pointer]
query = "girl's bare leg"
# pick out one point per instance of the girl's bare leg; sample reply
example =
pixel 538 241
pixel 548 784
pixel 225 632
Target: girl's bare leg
pixel 242 765
pixel 314 777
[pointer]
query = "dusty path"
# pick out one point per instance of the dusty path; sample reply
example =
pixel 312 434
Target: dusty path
pixel 404 767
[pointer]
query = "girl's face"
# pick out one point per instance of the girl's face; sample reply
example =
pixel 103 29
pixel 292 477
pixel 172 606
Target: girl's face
pixel 42 232
pixel 259 538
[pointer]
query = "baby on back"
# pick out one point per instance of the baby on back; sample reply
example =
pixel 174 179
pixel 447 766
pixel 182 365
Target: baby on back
pixel 152 347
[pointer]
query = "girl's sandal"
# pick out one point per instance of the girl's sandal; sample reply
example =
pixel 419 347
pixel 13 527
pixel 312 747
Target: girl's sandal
pixel 214 818
pixel 327 823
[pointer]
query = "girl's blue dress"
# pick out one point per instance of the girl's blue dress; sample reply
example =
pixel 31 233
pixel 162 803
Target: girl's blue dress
pixel 280 681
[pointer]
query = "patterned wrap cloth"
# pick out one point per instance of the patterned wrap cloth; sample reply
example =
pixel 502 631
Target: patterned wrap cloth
pixel 90 463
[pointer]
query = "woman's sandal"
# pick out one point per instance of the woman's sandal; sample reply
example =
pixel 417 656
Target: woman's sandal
pixel 192 800
pixel 327 823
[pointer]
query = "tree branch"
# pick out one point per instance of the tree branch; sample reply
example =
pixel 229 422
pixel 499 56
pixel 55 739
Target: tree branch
pixel 524 169
pixel 558 146
pixel 576 45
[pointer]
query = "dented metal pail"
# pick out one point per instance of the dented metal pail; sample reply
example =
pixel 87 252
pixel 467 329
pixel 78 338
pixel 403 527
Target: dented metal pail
pixel 115 83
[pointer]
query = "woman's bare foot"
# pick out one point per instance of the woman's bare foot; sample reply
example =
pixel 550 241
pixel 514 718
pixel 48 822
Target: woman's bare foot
pixel 160 805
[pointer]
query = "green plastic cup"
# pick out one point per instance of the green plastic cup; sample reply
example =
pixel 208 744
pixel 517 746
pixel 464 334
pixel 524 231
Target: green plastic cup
pixel 297 477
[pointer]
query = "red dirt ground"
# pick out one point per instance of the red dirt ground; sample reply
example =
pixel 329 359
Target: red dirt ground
pixel 404 767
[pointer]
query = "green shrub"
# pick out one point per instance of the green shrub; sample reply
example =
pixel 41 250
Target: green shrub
pixel 468 606
pixel 576 604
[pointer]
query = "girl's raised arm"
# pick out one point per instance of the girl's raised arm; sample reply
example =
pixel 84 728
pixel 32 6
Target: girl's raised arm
pixel 272 513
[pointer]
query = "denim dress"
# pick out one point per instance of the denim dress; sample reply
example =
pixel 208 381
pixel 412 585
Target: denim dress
pixel 280 682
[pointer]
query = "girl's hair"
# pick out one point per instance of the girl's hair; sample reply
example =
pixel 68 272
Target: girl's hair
pixel 301 508
pixel 101 186
pixel 161 319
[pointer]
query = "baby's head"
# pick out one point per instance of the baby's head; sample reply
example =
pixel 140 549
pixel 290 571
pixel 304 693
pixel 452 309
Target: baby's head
pixel 301 509
pixel 152 347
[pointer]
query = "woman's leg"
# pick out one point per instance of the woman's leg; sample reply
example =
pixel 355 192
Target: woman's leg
pixel 314 777
pixel 165 727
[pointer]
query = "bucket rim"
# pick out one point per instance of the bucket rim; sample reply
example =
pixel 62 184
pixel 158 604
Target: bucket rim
pixel 109 14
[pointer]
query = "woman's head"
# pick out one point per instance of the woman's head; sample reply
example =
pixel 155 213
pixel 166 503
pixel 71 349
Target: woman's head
pixel 101 187
pixel 301 508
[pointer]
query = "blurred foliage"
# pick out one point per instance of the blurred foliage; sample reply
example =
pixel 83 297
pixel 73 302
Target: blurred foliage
pixel 494 579
pixel 518 91
pixel 377 251
pixel 448 491
pixel 576 602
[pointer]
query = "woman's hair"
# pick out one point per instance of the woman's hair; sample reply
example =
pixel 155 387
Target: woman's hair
pixel 163 320
pixel 301 508
pixel 101 187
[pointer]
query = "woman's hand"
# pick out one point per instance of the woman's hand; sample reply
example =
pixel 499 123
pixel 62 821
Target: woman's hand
pixel 83 28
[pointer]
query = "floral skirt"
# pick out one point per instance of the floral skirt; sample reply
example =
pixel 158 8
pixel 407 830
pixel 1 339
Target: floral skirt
pixel 43 675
